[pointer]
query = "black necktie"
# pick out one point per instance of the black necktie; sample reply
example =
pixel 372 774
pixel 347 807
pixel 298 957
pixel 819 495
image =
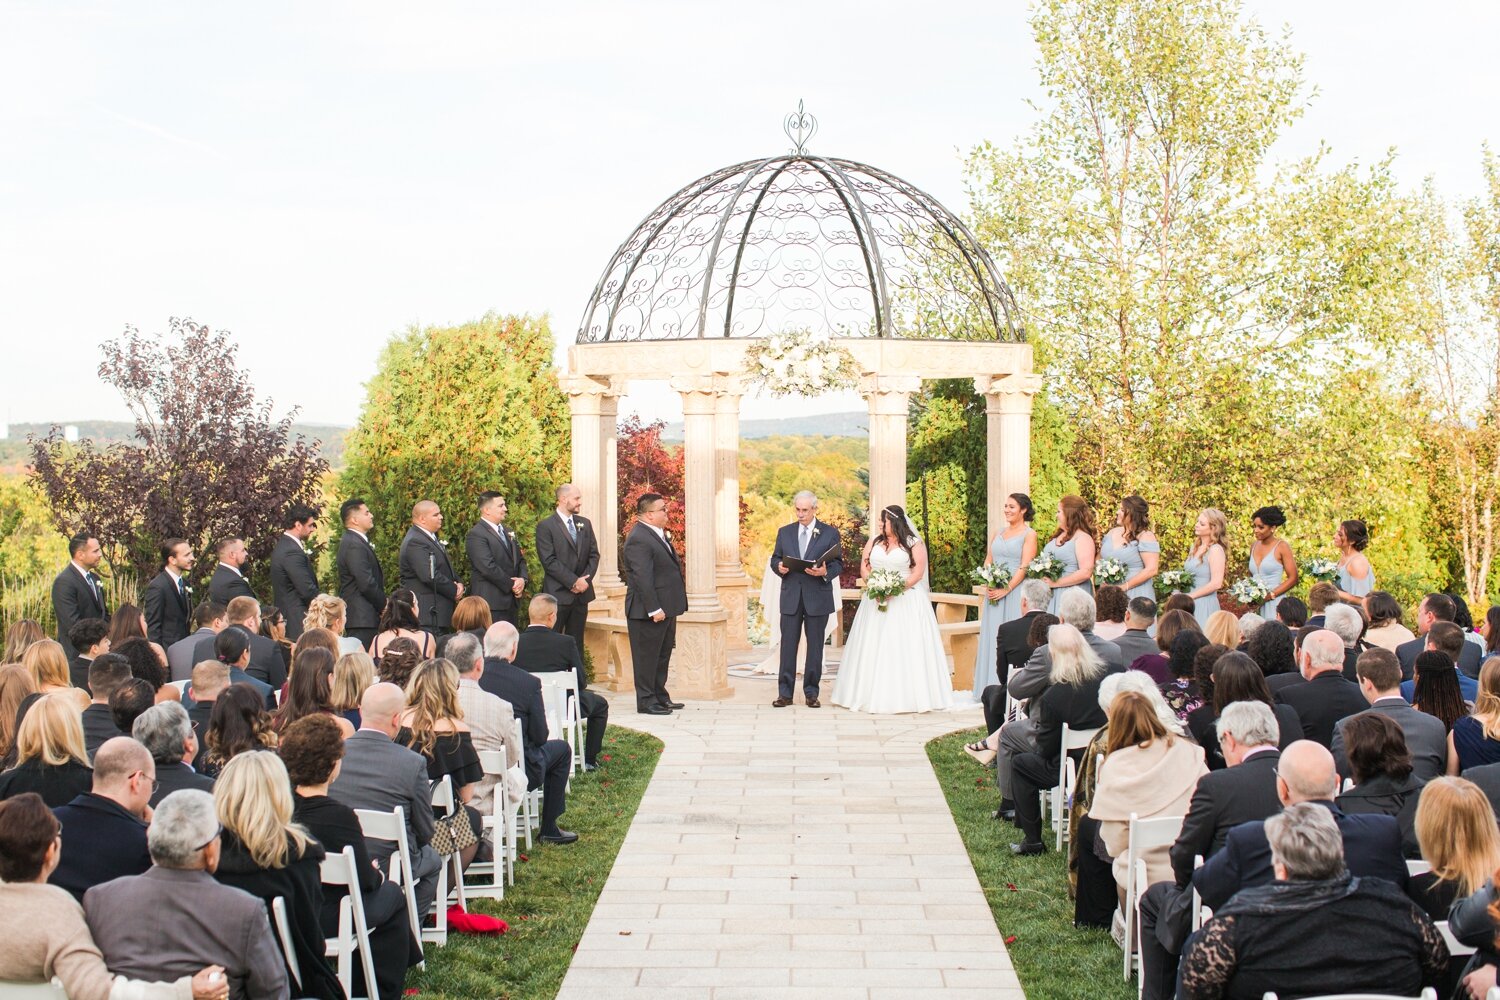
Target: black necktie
pixel 182 592
pixel 94 588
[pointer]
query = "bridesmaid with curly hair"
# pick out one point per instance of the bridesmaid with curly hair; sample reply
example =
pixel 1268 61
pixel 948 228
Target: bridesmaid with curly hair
pixel 1356 575
pixel 1134 544
pixel 1074 545
pixel 1207 561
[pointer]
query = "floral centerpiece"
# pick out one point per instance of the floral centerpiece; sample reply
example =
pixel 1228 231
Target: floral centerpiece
pixel 991 576
pixel 1174 581
pixel 1047 566
pixel 1249 591
pixel 1326 570
pixel 800 363
pixel 882 585
pixel 1109 571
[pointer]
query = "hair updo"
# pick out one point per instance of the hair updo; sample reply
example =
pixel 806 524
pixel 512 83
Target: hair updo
pixel 1028 512
pixel 1357 533
pixel 1271 517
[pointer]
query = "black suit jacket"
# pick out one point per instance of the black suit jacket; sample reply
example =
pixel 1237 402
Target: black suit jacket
pixel 426 571
pixel 100 841
pixel 543 651
pixel 1222 801
pixel 78 671
pixel 293 583
pixel 266 663
pixel 563 561
pixel 177 775
pixel 1322 702
pixel 1469 658
pixel 1011 647
pixel 361 581
pixel 495 566
pixel 653 576
pixel 167 611
pixel 199 714
pixel 227 584
pixel 1487 777
pixel 72 602
pixel 523 692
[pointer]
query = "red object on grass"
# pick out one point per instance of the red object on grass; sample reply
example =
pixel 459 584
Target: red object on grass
pixel 475 923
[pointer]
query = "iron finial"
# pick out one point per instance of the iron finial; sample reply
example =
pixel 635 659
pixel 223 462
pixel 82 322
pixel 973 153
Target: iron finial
pixel 799 127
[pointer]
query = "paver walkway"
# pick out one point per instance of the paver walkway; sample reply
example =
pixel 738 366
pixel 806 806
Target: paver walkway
pixel 791 853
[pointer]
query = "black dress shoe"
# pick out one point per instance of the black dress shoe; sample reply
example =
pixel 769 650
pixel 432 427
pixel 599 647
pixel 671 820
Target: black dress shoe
pixel 781 703
pixel 654 710
pixel 560 837
pixel 1005 814
pixel 674 704
pixel 1020 850
pixel 590 767
pixel 814 703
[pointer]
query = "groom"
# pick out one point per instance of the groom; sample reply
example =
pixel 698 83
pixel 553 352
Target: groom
pixel 806 595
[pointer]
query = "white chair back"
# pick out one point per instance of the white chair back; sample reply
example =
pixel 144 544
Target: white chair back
pixel 1145 835
pixel 560 696
pixel 1454 946
pixel 451 873
pixel 1417 867
pixel 489 877
pixel 32 991
pixel 1067 778
pixel 391 827
pixel 284 935
pixel 1428 993
pixel 353 933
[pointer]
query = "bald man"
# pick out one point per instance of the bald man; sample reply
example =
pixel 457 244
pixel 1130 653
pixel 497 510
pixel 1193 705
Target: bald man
pixel 104 829
pixel 569 553
pixel 1326 696
pixel 426 571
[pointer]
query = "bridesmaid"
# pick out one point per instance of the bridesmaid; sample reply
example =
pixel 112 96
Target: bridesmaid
pixel 1132 542
pixel 1356 575
pixel 1014 545
pixel 1206 562
pixel 1271 560
pixel 1074 546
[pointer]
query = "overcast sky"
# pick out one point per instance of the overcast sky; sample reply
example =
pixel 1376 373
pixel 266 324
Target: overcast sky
pixel 314 177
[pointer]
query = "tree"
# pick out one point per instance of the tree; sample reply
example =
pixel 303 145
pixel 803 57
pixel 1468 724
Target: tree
pixel 208 462
pixel 452 412
pixel 646 465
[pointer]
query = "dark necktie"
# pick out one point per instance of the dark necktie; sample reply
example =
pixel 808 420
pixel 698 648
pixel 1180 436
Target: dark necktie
pixel 182 591
pixel 572 531
pixel 94 588
pixel 504 542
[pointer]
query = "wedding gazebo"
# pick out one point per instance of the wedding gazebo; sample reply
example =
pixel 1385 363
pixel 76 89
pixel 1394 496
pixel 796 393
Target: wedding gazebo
pixel 791 242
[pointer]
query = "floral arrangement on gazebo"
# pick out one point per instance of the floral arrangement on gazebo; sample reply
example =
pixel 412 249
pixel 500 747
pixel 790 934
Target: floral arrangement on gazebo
pixel 800 363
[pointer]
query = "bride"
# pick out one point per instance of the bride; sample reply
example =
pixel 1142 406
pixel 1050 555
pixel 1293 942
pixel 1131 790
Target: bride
pixel 894 660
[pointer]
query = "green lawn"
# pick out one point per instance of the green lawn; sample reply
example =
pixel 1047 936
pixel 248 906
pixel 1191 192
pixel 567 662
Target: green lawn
pixel 1029 896
pixel 555 889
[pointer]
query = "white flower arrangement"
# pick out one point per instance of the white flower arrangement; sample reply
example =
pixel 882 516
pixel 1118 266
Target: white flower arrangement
pixel 1046 566
pixel 1326 570
pixel 800 363
pixel 1109 571
pixel 1249 591
pixel 1174 581
pixel 992 576
pixel 882 585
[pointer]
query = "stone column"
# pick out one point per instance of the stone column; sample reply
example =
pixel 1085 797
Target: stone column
pixel 731 580
pixel 889 397
pixel 584 396
pixel 609 587
pixel 1007 420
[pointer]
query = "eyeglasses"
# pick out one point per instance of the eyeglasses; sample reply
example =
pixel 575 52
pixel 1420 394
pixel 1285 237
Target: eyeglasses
pixel 155 784
pixel 210 840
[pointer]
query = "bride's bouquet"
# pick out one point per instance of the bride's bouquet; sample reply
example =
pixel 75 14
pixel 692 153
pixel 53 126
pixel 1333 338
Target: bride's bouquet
pixel 1046 566
pixel 1109 571
pixel 1326 570
pixel 991 577
pixel 1249 591
pixel 882 585
pixel 1174 581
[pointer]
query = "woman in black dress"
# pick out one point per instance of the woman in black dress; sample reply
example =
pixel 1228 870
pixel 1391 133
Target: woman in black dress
pixel 433 726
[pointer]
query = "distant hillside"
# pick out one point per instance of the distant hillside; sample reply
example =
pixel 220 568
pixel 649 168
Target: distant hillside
pixel 14 453
pixel 852 424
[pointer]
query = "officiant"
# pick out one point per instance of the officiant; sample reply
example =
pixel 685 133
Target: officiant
pixel 809 557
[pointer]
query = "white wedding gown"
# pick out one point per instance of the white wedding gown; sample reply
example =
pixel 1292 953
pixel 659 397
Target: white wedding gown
pixel 894 660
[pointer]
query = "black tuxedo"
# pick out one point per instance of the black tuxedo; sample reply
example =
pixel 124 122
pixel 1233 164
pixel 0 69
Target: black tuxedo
pixel 168 609
pixel 1322 702
pixel 495 565
pixel 1469 658
pixel 540 651
pixel 548 762
pixel 426 571
pixel 266 662
pixel 293 583
pixel 73 601
pixel 361 585
pixel 1222 801
pixel 653 582
pixel 227 584
pixel 563 562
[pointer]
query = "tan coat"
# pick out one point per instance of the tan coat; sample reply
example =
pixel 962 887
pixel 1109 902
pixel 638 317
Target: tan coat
pixel 1151 781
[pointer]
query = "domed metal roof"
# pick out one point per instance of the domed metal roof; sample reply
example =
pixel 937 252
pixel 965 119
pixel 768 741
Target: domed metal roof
pixel 800 241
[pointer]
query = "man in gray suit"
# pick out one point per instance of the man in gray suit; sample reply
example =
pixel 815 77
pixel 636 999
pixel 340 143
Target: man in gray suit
pixel 209 621
pixel 1135 642
pixel 194 920
pixel 379 774
pixel 1380 682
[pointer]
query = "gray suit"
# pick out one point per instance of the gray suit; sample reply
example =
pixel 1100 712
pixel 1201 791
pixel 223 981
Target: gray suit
pixel 180 655
pixel 194 921
pixel 1426 738
pixel 1135 643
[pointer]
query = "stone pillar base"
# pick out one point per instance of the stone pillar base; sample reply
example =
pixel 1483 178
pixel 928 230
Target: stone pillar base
pixel 700 668
pixel 734 594
pixel 608 602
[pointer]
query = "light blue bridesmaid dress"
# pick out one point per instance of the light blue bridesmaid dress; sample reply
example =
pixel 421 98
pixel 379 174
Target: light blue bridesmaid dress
pixel 1129 555
pixel 1067 553
pixel 1359 588
pixel 1203 607
pixel 1270 574
pixel 1004 552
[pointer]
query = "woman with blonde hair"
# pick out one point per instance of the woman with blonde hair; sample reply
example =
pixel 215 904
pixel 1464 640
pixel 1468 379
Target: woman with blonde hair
pixel 331 613
pixel 1456 831
pixel 1075 545
pixel 433 725
pixel 1475 738
pixel 16 689
pixel 267 855
pixel 19 638
pixel 1223 629
pixel 352 674
pixel 51 759
pixel 1206 561
pixel 48 666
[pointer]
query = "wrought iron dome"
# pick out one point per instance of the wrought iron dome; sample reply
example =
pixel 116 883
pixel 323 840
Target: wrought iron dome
pixel 798 241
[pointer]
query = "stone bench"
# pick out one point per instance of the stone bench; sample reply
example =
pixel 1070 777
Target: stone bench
pixel 608 643
pixel 962 640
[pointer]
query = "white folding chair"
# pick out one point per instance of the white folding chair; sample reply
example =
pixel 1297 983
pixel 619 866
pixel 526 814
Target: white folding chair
pixel 1454 946
pixel 1201 913
pixel 32 991
pixel 501 824
pixel 531 803
pixel 391 828
pixel 560 696
pixel 284 936
pixel 1418 867
pixel 353 933
pixel 1013 706
pixel 1145 834
pixel 1428 993
pixel 1067 778
pixel 444 799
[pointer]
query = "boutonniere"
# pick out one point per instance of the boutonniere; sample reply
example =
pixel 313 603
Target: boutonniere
pixel 187 588
pixel 442 543
pixel 815 530
pixel 666 534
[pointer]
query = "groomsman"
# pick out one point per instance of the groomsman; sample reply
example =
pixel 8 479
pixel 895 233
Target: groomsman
pixel 77 593
pixel 361 580
pixel 426 571
pixel 655 595
pixel 495 560
pixel 569 555
pixel 168 600
pixel 293 582
pixel 229 575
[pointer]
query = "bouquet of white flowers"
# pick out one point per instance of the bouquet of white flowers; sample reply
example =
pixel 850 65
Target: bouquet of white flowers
pixel 882 585
pixel 992 576
pixel 1174 581
pixel 1109 571
pixel 1046 566
pixel 800 363
pixel 1326 570
pixel 1249 591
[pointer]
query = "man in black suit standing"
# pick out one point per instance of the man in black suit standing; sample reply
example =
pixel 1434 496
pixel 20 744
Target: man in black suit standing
pixel 1326 697
pixel 426 571
pixel 806 596
pixel 495 559
pixel 542 650
pixel 293 582
pixel 168 599
pixel 655 594
pixel 361 580
pixel 1433 609
pixel 77 593
pixel 569 554
pixel 229 581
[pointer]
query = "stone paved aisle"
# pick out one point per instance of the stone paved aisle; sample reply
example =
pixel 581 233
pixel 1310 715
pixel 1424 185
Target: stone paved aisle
pixel 791 853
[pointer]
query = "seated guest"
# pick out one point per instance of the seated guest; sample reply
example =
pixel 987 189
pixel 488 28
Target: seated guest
pixel 308 688
pixel 1327 696
pixel 398 662
pixel 1110 604
pixel 273 627
pixel 1383 781
pixel 379 774
pixel 208 621
pixel 1437 611
pixel 91 638
pixel 1437 689
pixel 1181 691
pixel 1346 622
pixel 167 733
pixel 1223 629
pixel 146 666
pixel 19 637
pixel 193 918
pixel 1177 601
pixel 472 615
pixel 1475 738
pixel 17 694
pixel 50 755
pixel 1156 661
pixel 232 648
pixel 330 612
pixel 265 662
pixel 1285 936
pixel 312 749
pixel 210 679
pixel 401 619
pixel 1136 640
pixel 48 665
pixel 238 724
pixel 1012 649
pixel 1249 622
pixel 985 750
pixel 107 672
pixel 492 723
pixel 128 623
pixel 1386 630
pixel 267 855
pixel 1456 831
pixel 1291 612
pixel 43 928
pixel 351 675
pixel 1235 677
pixel 129 701
pixel 104 829
pixel 1274 651
pixel 1203 682
pixel 1319 596
pixel 1426 737
pixel 432 725
pixel 541 650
